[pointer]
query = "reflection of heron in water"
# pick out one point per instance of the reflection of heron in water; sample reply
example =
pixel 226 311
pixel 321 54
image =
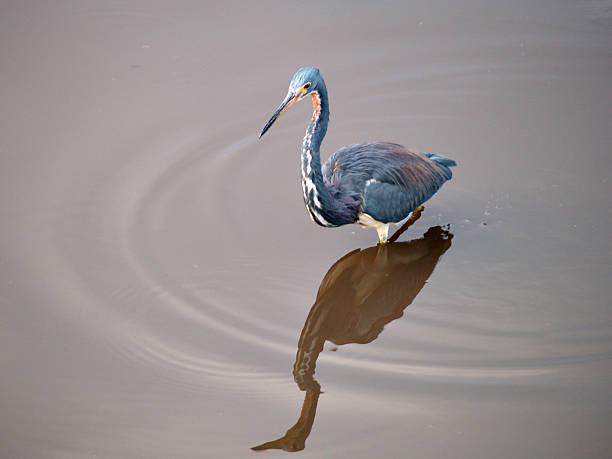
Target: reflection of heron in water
pixel 359 295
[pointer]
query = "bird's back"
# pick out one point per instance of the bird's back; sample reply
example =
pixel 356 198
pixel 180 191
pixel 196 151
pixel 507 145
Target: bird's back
pixel 390 180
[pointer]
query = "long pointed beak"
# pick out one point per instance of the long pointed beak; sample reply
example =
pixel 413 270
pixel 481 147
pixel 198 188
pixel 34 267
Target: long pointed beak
pixel 292 98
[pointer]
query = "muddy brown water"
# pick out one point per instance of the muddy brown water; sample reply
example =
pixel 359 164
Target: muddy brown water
pixel 159 274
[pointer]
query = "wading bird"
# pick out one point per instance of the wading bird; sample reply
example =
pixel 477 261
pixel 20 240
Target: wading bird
pixel 369 184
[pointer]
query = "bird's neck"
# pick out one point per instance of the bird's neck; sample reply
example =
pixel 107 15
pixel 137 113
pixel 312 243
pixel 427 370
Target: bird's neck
pixel 317 198
pixel 318 124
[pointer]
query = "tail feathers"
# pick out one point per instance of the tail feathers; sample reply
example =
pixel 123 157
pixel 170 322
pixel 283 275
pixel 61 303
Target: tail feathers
pixel 441 159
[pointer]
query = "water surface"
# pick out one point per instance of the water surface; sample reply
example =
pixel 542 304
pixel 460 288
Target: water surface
pixel 159 275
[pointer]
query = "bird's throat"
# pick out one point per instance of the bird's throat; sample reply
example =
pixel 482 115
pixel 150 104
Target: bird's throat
pixel 316 105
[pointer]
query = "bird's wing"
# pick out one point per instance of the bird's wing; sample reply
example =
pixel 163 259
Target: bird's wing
pixel 388 203
pixel 392 180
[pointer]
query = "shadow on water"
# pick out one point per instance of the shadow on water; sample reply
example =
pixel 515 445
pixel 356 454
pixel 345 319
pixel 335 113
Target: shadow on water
pixel 360 294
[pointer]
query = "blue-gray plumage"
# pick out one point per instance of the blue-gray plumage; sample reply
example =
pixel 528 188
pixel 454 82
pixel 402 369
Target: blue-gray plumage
pixel 370 184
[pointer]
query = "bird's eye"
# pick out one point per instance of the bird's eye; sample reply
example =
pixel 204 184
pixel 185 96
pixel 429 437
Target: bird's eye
pixel 307 85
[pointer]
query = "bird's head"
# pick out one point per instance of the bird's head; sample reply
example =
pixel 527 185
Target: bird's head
pixel 306 80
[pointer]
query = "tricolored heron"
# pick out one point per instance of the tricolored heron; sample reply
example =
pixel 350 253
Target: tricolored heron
pixel 369 184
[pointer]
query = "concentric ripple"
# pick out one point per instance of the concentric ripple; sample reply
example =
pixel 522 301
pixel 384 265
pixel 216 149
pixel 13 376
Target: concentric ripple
pixel 163 292
pixel 230 307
